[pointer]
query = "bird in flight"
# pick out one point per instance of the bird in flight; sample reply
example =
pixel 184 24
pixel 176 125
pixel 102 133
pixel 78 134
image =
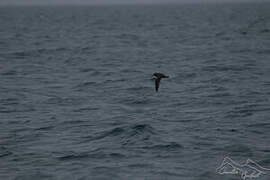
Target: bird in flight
pixel 158 76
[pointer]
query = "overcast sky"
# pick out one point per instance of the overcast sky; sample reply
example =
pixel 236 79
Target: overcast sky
pixel 48 2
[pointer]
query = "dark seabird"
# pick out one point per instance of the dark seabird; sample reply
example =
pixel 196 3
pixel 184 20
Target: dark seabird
pixel 159 76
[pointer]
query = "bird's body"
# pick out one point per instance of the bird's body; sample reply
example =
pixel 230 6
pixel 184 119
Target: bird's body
pixel 158 76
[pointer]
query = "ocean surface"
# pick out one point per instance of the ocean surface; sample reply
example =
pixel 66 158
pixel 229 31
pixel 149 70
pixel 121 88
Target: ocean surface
pixel 77 98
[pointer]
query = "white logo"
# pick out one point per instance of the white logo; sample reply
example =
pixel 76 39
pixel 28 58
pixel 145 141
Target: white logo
pixel 248 170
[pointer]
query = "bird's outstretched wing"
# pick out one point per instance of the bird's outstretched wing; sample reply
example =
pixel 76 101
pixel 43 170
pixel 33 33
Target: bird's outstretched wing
pixel 157 81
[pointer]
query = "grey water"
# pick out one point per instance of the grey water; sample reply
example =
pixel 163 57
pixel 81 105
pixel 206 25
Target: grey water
pixel 77 98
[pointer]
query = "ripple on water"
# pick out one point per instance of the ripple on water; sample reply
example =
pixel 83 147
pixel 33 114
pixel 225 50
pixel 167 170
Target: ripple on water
pixel 4 152
pixel 239 150
pixel 166 147
pixel 127 131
